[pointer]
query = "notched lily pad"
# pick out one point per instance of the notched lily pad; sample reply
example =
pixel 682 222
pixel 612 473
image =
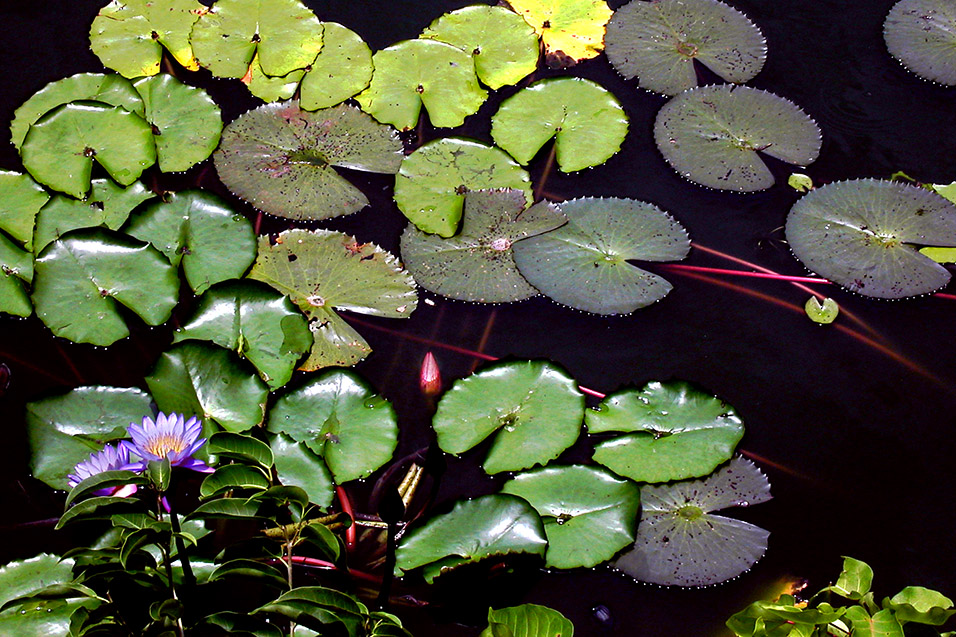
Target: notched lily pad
pixel 342 69
pixel 268 88
pixel 571 30
pixel 21 199
pixel 921 34
pixel 16 272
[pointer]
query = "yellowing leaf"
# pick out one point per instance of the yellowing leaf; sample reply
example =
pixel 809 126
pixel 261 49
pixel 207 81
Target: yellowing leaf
pixel 572 27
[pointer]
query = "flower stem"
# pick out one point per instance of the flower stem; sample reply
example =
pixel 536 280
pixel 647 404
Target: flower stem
pixel 189 579
pixel 347 508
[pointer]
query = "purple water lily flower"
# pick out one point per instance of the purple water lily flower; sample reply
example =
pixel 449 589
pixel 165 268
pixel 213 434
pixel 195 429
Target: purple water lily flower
pixel 170 437
pixel 110 458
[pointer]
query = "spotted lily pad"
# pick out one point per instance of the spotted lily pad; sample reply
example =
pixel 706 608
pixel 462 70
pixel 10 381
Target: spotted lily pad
pixel 21 199
pixel 342 69
pixel 283 160
pixel 657 42
pixel 584 264
pixel 478 264
pixel 713 136
pixel 430 186
pixel 680 542
pixel 921 34
pixel 865 235
pixel 16 270
pixel 569 28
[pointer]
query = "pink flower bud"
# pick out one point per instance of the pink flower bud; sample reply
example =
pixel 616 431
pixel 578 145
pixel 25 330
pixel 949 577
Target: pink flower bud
pixel 429 378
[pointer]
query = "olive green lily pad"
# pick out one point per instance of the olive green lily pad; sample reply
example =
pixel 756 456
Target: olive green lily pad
pixel 527 620
pixel 298 466
pixel 342 420
pixel 81 277
pixel 38 617
pixel 679 540
pixel 712 135
pixel 921 34
pixel 16 270
pixel 322 270
pixel 589 514
pixel 342 69
pixel 430 186
pixel 534 409
pixel 570 29
pixel 503 46
pixel 587 122
pixel 478 264
pixel 675 431
pixel 657 42
pixel 282 159
pixel 60 147
pixel 20 200
pixel 200 231
pixel 584 264
pixel 416 73
pixel 865 235
pixel 496 524
pixel 284 33
pixel 268 88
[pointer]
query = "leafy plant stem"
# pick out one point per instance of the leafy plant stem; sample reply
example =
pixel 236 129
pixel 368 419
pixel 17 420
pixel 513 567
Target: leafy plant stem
pixel 347 508
pixel 548 167
pixel 189 579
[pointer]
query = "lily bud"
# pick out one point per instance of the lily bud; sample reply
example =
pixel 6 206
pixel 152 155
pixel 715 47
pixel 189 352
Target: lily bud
pixel 429 378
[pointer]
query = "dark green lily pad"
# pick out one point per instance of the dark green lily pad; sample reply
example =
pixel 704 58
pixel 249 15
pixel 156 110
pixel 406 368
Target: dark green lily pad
pixel 342 69
pixel 586 120
pixel 268 88
pixel 416 73
pixel 16 270
pixel 495 524
pixel 657 42
pixel 865 235
pixel 678 432
pixel 282 159
pixel 527 620
pixel 20 200
pixel 921 34
pixel 534 408
pixel 322 270
pixel 431 185
pixel 503 46
pixel 713 135
pixel 81 277
pixel 571 30
pixel 679 540
pixel 341 419
pixel 584 264
pixel 38 617
pixel 589 514
pixel 478 264
pixel 297 466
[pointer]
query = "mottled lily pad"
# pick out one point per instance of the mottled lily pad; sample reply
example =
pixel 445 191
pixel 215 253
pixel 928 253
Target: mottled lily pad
pixel 713 136
pixel 478 264
pixel 16 270
pixel 866 234
pixel 584 264
pixel 283 159
pixel 21 199
pixel 571 30
pixel 679 540
pixel 342 69
pixel 657 42
pixel 921 34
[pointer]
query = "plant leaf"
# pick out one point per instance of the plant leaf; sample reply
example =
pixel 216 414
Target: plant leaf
pixel 16 270
pixel 527 620
pixel 247 568
pixel 243 447
pixel 823 313
pixel 21 199
pixel 297 466
pixel 268 88
pixel 342 69
pixel 234 476
pixel 881 624
pixel 569 28
pixel 921 605
pixel 920 34
pixel 37 618
pixel 855 579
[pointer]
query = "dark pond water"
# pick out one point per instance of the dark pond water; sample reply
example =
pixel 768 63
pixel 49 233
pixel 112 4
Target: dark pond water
pixel 862 445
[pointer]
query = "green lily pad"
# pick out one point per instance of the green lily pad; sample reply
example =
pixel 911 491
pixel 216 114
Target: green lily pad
pixel 586 120
pixel 342 420
pixel 679 540
pixel 16 270
pixel 496 524
pixel 342 69
pixel 503 46
pixel 128 36
pixel 81 277
pixel 921 34
pixel 284 33
pixel 657 42
pixel 20 200
pixel 824 312
pixel 60 147
pixel 534 408
pixel 584 264
pixel 677 432
pixel 416 73
pixel 322 270
pixel 571 29
pixel 268 88
pixel 527 620
pixel 38 617
pixel 200 231
pixel 282 159
pixel 589 514
pixel 297 466
pixel 431 185
pixel 865 235
pixel 478 264
pixel 713 135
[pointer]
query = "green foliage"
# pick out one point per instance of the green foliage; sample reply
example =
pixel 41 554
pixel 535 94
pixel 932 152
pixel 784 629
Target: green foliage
pixel 21 199
pixel 16 271
pixel 824 312
pixel 920 34
pixel 342 69
pixel 527 620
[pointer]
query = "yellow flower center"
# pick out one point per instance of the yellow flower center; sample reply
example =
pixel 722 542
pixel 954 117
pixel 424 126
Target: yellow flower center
pixel 161 446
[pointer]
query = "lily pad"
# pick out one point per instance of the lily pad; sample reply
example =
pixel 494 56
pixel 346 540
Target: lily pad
pixel 587 122
pixel 478 264
pixel 589 514
pixel 81 277
pixel 527 620
pixel 534 409
pixel 713 135
pixel 679 540
pixel 20 200
pixel 569 28
pixel 921 34
pixel 677 432
pixel 865 235
pixel 502 44
pixel 282 159
pixel 268 88
pixel 584 264
pixel 16 270
pixel 297 466
pixel 657 42
pixel 431 185
pixel 322 270
pixel 342 69
pixel 824 312
pixel 416 73
pixel 496 524
pixel 38 617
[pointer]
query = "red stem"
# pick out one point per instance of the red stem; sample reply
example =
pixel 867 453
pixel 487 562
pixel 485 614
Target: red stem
pixel 310 561
pixel 419 339
pixel 347 508
pixel 677 267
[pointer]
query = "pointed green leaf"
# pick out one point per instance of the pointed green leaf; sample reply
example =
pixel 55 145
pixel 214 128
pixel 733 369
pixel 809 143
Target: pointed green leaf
pixel 318 607
pixel 246 568
pixel 234 476
pixel 16 271
pixel 20 200
pixel 921 34
pixel 882 624
pixel 855 579
pixel 226 509
pixel 243 447
pixel 268 88
pixel 569 28
pixel 921 605
pixel 103 480
pixel 527 620
pixel 342 69
pixel 298 466
pixel 98 508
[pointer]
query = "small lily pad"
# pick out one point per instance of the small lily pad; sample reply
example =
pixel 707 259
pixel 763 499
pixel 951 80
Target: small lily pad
pixel 569 28
pixel 478 264
pixel 268 88
pixel 20 200
pixel 16 270
pixel 679 540
pixel 713 135
pixel 342 69
pixel 865 235
pixel 921 34
pixel 584 264
pixel 824 312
